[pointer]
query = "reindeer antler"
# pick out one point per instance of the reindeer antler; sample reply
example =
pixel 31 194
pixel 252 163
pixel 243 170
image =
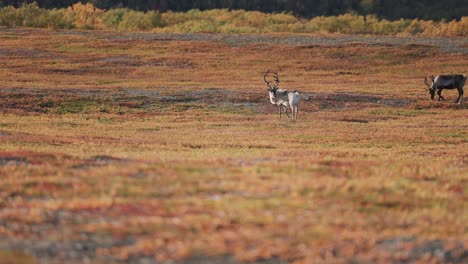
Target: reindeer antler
pixel 275 77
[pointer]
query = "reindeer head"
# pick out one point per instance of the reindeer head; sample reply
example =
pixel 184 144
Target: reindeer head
pixel 430 86
pixel 268 83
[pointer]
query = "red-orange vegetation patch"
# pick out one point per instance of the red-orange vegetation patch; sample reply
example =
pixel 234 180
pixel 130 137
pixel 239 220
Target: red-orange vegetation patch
pixel 343 164
pixel 130 104
pixel 20 103
pixel 42 139
pixel 448 104
pixel 114 209
pixel 138 209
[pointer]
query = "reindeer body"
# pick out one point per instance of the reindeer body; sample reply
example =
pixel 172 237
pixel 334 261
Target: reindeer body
pixel 284 99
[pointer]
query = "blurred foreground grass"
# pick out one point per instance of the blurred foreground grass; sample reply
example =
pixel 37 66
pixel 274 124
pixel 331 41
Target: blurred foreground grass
pixel 120 149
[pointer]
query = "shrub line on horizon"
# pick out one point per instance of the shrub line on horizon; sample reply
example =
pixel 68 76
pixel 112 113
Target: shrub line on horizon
pixel 86 16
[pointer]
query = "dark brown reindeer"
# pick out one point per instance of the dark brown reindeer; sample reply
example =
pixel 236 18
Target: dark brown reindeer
pixel 440 82
pixel 282 98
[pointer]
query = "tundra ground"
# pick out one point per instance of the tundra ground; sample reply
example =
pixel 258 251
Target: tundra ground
pixel 143 148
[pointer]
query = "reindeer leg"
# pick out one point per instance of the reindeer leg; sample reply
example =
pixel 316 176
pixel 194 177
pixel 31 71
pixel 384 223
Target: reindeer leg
pixel 286 111
pixel 460 97
pixel 439 93
pixel 279 108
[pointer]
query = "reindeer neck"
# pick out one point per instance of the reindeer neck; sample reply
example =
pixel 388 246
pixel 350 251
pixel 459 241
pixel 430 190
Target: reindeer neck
pixel 273 98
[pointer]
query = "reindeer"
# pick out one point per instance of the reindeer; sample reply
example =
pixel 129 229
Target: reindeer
pixel 440 82
pixel 282 98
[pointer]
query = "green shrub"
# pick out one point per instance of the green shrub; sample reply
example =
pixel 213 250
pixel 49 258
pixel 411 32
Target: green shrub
pixel 134 20
pixel 7 16
pixel 359 25
pixel 154 18
pixel 126 19
pixel 199 26
pixel 385 27
pixel 325 24
pixel 30 15
pixel 114 17
pixel 414 28
pixel 58 19
pixel 223 16
pixel 281 19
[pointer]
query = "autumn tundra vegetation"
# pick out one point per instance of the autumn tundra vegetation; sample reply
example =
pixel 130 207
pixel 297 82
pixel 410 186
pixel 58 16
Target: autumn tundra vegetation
pixel 119 146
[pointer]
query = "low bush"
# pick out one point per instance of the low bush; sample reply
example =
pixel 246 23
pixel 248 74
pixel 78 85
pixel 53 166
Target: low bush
pixel 8 16
pixel 126 19
pixel 30 15
pixel 114 17
pixel 58 18
pixel 86 16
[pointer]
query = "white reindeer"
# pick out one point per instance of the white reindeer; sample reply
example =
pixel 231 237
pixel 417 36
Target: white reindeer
pixel 282 98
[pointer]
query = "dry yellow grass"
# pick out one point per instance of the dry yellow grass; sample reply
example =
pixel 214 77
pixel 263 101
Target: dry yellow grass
pixel 172 150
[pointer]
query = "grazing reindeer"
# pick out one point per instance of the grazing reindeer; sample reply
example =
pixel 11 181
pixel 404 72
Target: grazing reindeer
pixel 440 82
pixel 282 98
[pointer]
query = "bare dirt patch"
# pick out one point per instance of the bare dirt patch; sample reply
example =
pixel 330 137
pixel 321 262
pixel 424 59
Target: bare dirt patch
pixel 75 101
pixel 33 158
pixel 339 101
pixel 411 249
pixel 444 44
pixel 28 53
pixel 100 161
